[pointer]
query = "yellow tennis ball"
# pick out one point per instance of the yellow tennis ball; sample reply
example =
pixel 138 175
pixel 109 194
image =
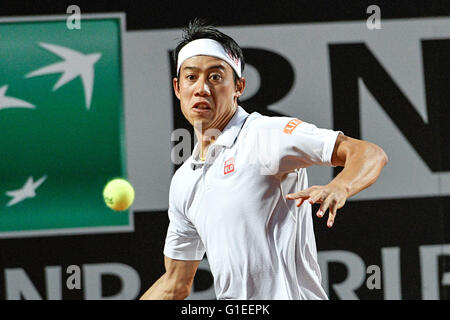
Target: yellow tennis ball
pixel 118 194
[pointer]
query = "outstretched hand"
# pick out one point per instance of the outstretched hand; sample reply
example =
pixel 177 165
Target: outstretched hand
pixel 331 197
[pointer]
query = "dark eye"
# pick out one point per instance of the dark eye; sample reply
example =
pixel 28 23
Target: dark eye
pixel 215 77
pixel 190 77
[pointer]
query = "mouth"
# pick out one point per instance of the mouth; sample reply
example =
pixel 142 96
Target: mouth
pixel 201 107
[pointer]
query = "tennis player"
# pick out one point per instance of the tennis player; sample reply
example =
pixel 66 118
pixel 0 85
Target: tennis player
pixel 243 198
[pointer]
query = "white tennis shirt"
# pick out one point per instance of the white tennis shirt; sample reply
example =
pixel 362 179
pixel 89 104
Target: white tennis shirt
pixel 232 207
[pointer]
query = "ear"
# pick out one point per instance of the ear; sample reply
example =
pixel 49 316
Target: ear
pixel 176 87
pixel 240 87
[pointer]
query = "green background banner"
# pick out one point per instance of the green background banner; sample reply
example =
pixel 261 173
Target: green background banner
pixel 75 147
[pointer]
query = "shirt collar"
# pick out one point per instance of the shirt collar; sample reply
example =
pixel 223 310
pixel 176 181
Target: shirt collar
pixel 228 135
pixel 232 129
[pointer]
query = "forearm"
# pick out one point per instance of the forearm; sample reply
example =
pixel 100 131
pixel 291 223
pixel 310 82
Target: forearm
pixel 362 162
pixel 165 289
pixel 362 167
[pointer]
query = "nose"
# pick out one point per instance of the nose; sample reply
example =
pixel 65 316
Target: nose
pixel 202 88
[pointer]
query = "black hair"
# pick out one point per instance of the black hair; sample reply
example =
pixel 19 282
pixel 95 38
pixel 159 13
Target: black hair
pixel 199 29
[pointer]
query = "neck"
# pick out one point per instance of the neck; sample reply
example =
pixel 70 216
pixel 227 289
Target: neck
pixel 207 136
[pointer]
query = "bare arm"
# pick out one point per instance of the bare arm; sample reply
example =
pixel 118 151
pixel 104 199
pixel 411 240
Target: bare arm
pixel 175 283
pixel 362 161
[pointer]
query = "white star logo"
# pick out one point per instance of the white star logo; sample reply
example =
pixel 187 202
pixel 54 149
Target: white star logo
pixel 27 191
pixel 75 64
pixel 10 102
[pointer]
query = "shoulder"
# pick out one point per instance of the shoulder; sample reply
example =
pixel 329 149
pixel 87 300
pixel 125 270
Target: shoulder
pixel 282 124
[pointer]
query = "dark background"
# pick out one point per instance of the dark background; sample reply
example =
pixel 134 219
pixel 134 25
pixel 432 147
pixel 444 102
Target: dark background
pixel 174 14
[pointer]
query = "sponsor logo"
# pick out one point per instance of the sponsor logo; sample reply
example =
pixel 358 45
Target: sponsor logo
pixel 291 125
pixel 228 166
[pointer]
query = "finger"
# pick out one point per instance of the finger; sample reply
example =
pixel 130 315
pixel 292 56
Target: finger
pixel 333 211
pixel 332 215
pixel 299 202
pixel 340 203
pixel 304 194
pixel 316 196
pixel 301 194
pixel 324 207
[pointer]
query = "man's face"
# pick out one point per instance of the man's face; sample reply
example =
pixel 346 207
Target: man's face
pixel 207 91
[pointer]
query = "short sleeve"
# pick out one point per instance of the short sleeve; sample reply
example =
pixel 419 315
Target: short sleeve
pixel 284 144
pixel 182 239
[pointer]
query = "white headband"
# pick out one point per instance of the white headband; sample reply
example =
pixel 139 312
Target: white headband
pixel 208 47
